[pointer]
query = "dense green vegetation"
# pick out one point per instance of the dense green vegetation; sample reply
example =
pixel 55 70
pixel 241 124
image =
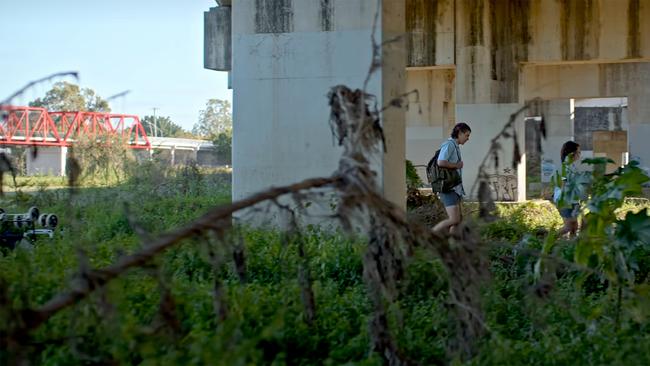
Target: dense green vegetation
pixel 165 313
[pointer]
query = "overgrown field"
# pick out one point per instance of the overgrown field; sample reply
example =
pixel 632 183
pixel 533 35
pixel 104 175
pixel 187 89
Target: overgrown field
pixel 192 305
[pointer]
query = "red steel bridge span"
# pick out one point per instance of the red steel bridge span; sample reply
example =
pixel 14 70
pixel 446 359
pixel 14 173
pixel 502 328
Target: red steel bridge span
pixel 35 126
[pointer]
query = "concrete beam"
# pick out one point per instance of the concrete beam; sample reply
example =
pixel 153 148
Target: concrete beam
pixel 217 39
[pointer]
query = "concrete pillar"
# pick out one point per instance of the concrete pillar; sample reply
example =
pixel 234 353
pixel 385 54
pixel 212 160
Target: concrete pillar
pixel 393 83
pixel 48 161
pixel 287 54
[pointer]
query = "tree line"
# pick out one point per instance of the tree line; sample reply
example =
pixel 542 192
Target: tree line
pixel 214 122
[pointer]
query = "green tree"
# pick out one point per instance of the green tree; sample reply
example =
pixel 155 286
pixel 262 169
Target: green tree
pixel 164 126
pixel 66 96
pixel 223 146
pixel 216 118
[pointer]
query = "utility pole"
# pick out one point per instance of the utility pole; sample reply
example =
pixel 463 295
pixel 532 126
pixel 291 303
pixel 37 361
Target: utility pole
pixel 155 122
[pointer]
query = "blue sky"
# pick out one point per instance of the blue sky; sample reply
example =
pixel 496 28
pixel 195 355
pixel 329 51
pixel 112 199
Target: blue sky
pixel 152 48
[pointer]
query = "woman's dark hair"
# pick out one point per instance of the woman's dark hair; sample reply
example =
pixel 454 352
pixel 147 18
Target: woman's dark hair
pixel 460 127
pixel 569 147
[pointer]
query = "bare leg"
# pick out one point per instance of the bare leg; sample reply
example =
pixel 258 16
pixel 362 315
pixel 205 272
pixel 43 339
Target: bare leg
pixel 570 227
pixel 449 224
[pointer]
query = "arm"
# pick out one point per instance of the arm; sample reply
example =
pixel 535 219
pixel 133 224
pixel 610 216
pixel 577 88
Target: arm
pixel 446 152
pixel 446 164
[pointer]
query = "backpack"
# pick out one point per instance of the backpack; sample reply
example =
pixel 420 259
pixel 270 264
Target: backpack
pixel 442 180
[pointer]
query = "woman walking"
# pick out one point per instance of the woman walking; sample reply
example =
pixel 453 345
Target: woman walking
pixel 450 158
pixel 565 200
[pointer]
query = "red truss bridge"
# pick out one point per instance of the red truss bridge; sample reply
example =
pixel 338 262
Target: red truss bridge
pixel 37 127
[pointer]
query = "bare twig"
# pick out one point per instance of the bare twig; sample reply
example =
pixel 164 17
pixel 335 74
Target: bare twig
pixel 32 83
pixel 375 63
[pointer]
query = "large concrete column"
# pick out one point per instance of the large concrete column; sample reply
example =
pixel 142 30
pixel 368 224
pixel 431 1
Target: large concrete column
pixel 393 83
pixel 48 161
pixel 287 54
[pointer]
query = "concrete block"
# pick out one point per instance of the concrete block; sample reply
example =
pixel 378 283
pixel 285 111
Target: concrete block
pixel 48 161
pixel 217 39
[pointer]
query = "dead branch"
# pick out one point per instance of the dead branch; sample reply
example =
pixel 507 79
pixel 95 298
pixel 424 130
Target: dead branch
pixel 32 83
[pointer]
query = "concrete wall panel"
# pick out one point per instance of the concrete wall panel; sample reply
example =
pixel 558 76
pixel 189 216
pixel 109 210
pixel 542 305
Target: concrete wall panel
pixel 486 121
pixel 284 16
pixel 281 132
pixel 429 121
pixel 584 80
pixel 303 55
pixel 546 30
pixel 285 138
pixel 613 30
pixel 436 103
pixel 644 28
pixel 48 161
pixel 638 144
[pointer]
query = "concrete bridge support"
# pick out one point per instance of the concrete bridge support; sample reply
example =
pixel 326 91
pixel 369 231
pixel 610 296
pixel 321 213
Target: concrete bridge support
pixel 46 160
pixel 474 61
pixel 286 57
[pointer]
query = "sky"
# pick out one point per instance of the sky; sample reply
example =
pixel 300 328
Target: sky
pixel 152 48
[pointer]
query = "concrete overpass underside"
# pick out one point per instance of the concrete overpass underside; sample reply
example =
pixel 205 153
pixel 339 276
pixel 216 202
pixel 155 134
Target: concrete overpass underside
pixel 476 61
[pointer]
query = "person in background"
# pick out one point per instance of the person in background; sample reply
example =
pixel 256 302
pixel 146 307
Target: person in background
pixel 570 208
pixel 450 158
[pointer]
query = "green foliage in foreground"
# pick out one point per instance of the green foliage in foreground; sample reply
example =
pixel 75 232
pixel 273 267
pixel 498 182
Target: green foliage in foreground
pixel 165 313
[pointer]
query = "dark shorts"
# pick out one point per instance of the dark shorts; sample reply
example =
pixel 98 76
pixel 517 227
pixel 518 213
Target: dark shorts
pixel 570 212
pixel 450 199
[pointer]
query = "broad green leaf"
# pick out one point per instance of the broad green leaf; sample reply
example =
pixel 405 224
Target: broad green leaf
pixel 635 229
